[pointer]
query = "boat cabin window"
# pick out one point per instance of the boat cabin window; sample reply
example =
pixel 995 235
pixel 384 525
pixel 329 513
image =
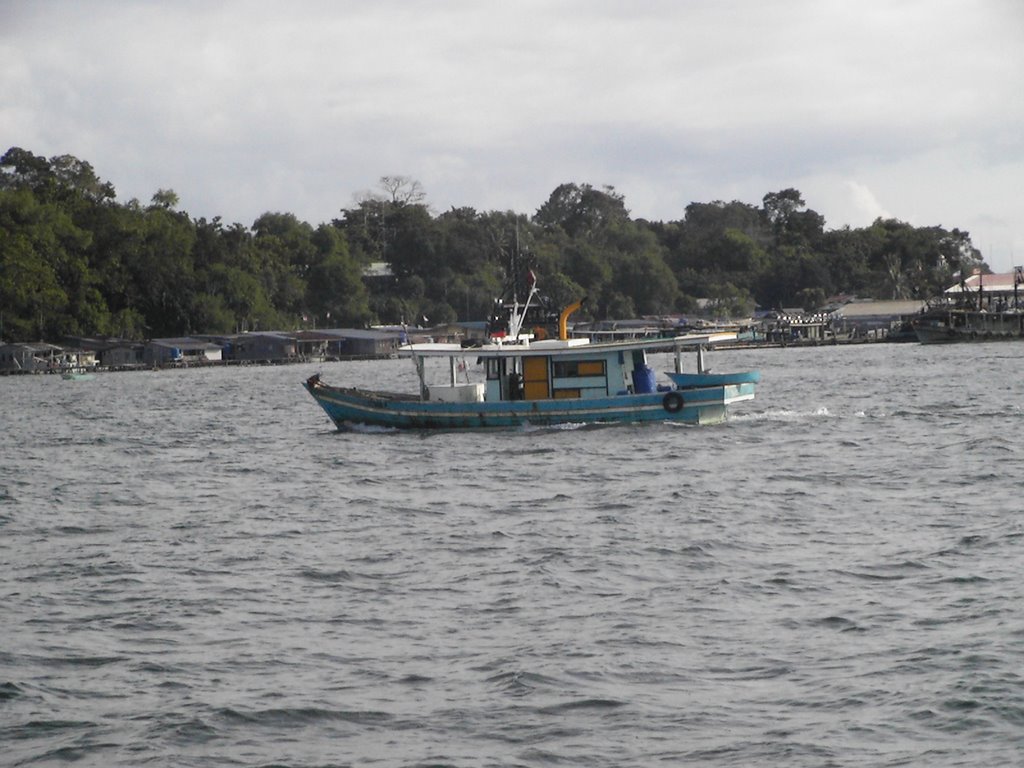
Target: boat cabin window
pixel 574 368
pixel 495 367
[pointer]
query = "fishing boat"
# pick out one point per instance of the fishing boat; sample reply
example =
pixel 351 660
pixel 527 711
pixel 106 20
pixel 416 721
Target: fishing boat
pixel 979 308
pixel 545 382
pixel 944 326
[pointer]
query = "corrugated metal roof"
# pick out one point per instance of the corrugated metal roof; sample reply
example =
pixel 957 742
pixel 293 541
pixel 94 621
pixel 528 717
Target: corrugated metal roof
pixel 995 283
pixel 185 343
pixel 879 308
pixel 360 333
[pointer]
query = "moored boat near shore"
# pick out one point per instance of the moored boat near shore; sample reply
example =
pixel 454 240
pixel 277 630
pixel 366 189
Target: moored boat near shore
pixel 979 308
pixel 943 326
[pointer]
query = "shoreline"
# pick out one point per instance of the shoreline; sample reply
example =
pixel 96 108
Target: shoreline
pixel 147 368
pixel 143 368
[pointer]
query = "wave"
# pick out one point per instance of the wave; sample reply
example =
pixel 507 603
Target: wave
pixel 297 716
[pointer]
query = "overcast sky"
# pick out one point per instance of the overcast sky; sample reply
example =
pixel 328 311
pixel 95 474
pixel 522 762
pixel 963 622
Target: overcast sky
pixel 911 109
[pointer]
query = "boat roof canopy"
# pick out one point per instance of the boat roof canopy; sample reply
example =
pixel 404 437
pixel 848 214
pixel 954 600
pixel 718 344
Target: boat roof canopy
pixel 565 347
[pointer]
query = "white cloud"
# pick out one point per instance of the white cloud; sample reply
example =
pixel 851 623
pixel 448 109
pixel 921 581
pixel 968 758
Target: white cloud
pixel 908 108
pixel 864 203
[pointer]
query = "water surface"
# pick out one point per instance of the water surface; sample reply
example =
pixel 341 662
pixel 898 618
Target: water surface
pixel 199 571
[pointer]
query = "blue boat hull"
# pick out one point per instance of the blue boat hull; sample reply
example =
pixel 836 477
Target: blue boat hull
pixel 691 380
pixel 353 407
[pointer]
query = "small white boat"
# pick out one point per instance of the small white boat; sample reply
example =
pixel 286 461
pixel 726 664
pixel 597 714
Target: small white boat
pixel 77 375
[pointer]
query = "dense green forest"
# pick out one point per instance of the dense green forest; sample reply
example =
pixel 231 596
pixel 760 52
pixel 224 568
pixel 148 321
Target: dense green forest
pixel 74 261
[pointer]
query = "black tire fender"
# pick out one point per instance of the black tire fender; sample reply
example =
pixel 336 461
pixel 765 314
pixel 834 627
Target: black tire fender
pixel 673 402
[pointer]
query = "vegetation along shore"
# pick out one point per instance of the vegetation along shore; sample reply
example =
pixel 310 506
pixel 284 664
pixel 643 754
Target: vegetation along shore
pixel 77 264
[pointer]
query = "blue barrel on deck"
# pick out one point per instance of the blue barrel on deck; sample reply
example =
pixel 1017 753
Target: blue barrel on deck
pixel 644 380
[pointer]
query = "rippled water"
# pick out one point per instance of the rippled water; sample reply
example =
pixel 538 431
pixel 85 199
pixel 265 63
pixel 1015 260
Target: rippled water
pixel 198 571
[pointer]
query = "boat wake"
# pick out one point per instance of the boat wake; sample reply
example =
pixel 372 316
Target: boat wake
pixel 369 429
pixel 784 415
pixel 570 426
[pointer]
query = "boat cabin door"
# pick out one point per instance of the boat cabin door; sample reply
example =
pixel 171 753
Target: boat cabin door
pixel 535 378
pixel 505 377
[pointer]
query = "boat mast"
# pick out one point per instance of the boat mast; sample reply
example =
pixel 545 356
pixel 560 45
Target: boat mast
pixel 515 323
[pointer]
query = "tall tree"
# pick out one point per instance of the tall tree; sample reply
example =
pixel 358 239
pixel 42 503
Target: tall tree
pixel 582 211
pixel 336 293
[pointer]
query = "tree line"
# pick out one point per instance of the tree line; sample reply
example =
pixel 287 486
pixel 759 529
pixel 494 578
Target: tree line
pixel 74 261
